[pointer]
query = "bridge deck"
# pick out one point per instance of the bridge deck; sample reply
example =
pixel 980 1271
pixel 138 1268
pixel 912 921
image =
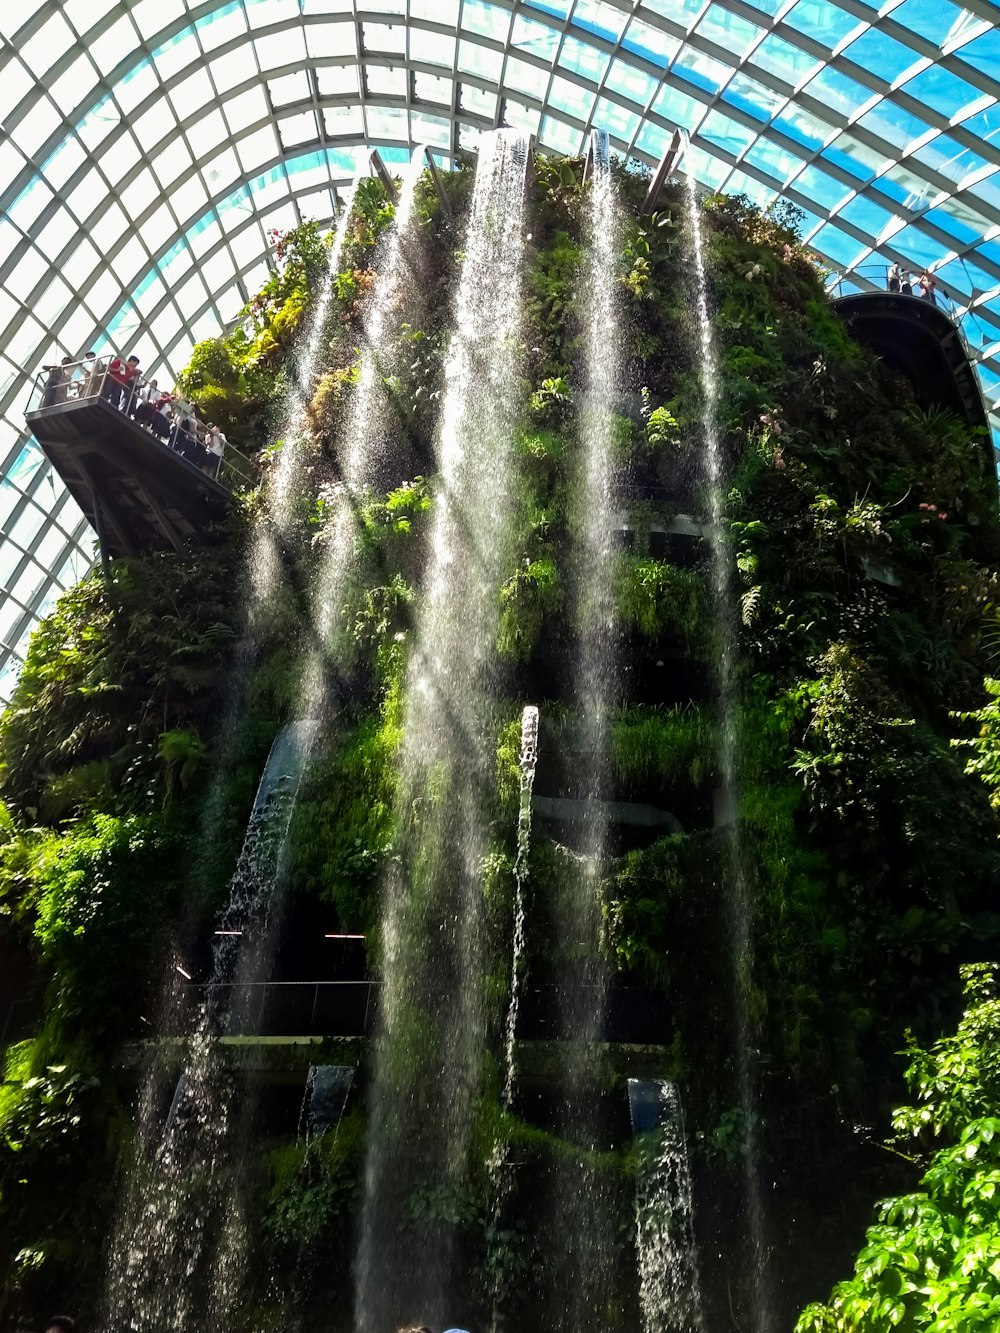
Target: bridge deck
pixel 137 493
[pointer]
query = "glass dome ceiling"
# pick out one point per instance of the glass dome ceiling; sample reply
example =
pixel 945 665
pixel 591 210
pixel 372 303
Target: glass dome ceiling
pixel 149 145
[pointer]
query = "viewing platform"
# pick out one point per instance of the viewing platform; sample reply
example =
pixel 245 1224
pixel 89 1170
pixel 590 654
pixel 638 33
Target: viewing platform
pixel 920 340
pixel 133 463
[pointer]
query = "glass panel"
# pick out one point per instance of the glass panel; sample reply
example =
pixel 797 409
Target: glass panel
pixel 136 86
pixel 63 162
pixel 615 119
pixel 29 204
pixel 930 19
pixel 287 47
pixel 15 84
pixel 820 188
pixel 631 83
pixel 728 30
pixel 439 11
pixel 53 38
pixel 941 90
pixel 74 85
pixel 387 123
pixel 559 137
pixel 838 92
pixel 892 123
pixel 298 129
pixel 785 61
pixel 331 39
pixel 172 57
pixel 480 103
pixel 753 97
pixel 384 81
pixel 726 133
pixel 822 21
pixel 581 58
pixel 171 161
pixel 539 39
pixel 526 78
pixel 521 117
pixel 432 47
pixel 865 215
pixel 434 130
pixel 480 60
pixel 874 50
pixel 571 97
pixel 836 246
pixel 343 121
pixel 383 37
pixel 37 128
pixel 983 53
pixel 600 18
pixel 651 43
pixel 222 26
pixel 484 19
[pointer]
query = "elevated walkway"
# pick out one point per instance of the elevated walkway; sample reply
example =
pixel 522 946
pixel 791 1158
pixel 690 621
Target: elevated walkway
pixel 143 482
pixel 921 341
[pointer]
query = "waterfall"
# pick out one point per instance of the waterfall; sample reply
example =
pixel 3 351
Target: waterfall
pixel 669 1290
pixel 286 484
pixel 499 1176
pixel 587 1247
pixel 360 446
pixel 528 764
pixel 327 1089
pixel 738 904
pixel 168 1259
pixel 428 1058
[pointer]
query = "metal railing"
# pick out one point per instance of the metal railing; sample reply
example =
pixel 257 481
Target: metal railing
pixel 351 1009
pixel 167 417
pixel 299 1008
pixel 877 277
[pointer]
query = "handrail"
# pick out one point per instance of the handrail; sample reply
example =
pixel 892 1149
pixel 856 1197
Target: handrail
pixel 92 379
pixel 877 276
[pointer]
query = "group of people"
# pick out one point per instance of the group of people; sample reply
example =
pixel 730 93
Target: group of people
pixel 899 280
pixel 164 415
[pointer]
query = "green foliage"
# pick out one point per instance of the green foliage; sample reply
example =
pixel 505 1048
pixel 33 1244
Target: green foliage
pixel 343 827
pixel 655 598
pixel 115 666
pixel 526 599
pixel 315 1186
pixel 96 932
pixel 932 1260
pixel 984 761
pixel 672 744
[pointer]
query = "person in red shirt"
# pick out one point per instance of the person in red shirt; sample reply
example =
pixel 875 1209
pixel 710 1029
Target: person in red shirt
pixel 115 381
pixel 130 374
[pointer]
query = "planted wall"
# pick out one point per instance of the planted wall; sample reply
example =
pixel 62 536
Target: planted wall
pixel 862 532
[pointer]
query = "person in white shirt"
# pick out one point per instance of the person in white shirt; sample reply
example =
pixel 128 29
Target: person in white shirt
pixel 216 445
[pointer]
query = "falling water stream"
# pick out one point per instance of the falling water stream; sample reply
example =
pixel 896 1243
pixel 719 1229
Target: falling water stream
pixel 428 1059
pixel 669 1287
pixel 528 764
pixel 359 451
pixel 180 1239
pixel 587 1247
pixel 499 1173
pixel 286 484
pixel 739 907
pixel 162 1240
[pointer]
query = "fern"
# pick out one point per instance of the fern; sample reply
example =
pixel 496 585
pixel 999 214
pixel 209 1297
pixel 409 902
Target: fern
pixel 750 605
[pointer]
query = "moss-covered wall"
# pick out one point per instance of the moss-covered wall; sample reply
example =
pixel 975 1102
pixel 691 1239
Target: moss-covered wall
pixel 132 747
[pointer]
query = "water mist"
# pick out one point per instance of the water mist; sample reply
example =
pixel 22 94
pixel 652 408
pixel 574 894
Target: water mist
pixel 428 1059
pixel 738 902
